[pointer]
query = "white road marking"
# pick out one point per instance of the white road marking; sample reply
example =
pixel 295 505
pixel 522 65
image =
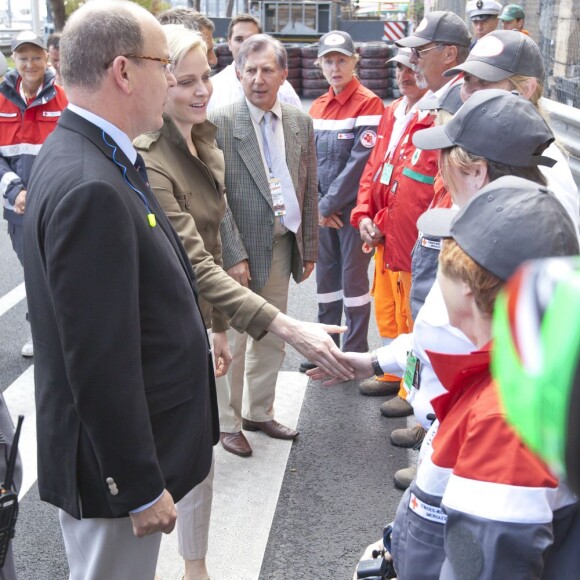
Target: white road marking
pixel 12 298
pixel 19 397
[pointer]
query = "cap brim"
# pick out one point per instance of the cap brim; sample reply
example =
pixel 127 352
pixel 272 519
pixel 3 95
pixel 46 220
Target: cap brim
pixel 412 41
pixel 333 49
pixel 437 222
pixel 404 60
pixel 428 103
pixel 432 138
pixel 481 70
pixel 34 43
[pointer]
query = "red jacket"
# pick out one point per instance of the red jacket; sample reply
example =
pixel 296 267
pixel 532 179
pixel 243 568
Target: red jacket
pixel 23 129
pixel 345 130
pixel 395 207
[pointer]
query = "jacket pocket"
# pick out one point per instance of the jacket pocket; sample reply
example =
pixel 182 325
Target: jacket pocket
pixel 184 201
pixel 163 397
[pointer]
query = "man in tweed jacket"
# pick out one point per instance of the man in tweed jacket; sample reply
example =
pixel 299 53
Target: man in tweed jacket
pixel 264 253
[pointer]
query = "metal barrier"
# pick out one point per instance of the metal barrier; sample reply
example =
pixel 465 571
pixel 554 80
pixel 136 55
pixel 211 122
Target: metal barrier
pixel 565 122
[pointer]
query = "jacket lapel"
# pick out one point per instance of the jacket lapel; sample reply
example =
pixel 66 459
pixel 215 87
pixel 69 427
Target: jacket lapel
pixel 249 150
pixel 78 124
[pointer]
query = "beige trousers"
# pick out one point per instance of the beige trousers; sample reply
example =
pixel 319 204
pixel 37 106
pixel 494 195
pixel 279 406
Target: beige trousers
pixel 259 361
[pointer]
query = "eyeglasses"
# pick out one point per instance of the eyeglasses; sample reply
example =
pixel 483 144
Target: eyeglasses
pixel 166 62
pixel 419 52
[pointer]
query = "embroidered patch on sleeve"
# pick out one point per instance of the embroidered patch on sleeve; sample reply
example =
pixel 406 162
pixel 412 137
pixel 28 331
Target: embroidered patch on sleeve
pixel 368 139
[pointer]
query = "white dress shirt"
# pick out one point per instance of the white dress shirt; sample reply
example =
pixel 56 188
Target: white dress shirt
pixel 257 114
pixel 120 138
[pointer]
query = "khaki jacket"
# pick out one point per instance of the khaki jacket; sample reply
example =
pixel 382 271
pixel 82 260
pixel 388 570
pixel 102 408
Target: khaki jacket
pixel 191 193
pixel 190 190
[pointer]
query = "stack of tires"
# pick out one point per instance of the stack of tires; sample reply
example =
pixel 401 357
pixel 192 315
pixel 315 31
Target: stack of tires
pixel 224 56
pixel 373 70
pixel 313 82
pixel 294 66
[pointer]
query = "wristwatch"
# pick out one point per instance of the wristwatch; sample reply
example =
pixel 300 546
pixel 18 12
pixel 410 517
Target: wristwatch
pixel 376 366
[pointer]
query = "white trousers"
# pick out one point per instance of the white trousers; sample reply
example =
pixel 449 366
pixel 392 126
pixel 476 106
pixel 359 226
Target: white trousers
pixel 193 514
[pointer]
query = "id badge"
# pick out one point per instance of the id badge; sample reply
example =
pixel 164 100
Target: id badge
pixel 277 197
pixel 412 374
pixel 386 174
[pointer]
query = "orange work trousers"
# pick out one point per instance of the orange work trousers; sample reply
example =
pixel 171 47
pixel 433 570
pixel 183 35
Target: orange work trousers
pixel 391 292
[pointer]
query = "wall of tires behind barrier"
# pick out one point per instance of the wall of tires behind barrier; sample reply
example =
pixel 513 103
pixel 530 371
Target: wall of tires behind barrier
pixel 373 70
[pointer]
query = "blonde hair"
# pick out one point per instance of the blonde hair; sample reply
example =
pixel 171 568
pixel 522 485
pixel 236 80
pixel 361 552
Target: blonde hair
pixel 517 82
pixel 182 40
pixel 463 160
pixel 457 265
pixel 442 117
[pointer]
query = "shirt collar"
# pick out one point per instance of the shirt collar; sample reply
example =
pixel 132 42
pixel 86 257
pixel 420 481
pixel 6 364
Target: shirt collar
pixel 23 94
pixel 457 372
pixel 257 113
pixel 120 138
pixel 454 80
pixel 402 107
pixel 346 93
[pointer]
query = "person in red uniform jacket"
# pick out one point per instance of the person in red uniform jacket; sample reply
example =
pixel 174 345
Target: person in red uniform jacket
pixel 30 107
pixel 345 130
pixel 395 189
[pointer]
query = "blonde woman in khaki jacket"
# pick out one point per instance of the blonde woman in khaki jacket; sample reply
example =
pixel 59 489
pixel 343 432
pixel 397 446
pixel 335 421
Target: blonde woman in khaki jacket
pixel 186 173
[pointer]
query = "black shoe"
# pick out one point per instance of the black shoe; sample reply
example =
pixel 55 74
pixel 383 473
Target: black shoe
pixel 306 365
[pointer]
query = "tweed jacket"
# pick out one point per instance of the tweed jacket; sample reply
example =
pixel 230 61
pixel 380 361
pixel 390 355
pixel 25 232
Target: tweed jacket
pixel 249 195
pixel 190 190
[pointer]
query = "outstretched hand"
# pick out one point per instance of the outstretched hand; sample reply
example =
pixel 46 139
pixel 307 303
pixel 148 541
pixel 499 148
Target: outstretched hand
pixel 312 340
pixel 360 362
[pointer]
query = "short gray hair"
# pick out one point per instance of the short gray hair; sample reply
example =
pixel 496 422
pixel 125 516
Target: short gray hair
pixel 258 43
pixel 94 36
pixel 188 17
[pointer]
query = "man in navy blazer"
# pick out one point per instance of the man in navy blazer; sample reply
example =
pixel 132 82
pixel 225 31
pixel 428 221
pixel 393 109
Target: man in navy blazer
pixel 124 389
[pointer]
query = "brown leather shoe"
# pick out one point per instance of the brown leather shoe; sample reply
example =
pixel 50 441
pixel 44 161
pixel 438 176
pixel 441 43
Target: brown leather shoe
pixel 236 443
pixel 374 387
pixel 404 477
pixel 396 407
pixel 271 428
pixel 408 438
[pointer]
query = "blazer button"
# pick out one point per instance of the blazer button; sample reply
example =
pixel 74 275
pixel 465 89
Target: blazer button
pixel 113 490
